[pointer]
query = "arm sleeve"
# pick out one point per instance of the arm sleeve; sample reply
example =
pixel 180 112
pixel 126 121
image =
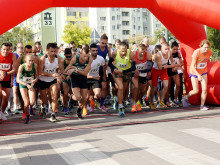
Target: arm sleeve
pixel 111 65
pixel 132 68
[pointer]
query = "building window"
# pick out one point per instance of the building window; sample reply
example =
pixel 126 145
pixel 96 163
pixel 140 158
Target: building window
pixel 133 19
pixel 134 27
pixel 138 18
pixel 102 27
pixel 139 27
pixel 118 17
pixel 125 14
pixel 113 27
pixel 102 18
pixel 113 9
pixel 114 36
pixel 83 14
pixel 113 18
pixel 118 26
pixel 125 23
pixel 145 28
pixel 117 9
pixel 126 32
pixel 71 13
pixel 158 25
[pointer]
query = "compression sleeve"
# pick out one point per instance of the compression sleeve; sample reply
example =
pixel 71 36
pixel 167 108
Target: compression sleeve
pixel 111 65
pixel 132 68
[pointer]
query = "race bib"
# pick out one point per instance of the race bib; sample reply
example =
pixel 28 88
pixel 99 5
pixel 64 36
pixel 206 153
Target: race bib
pixel 122 65
pixel 201 65
pixel 94 70
pixel 5 66
pixel 50 70
pixel 28 79
pixel 143 75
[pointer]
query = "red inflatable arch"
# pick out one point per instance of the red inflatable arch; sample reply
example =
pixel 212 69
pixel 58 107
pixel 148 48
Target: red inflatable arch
pixel 184 18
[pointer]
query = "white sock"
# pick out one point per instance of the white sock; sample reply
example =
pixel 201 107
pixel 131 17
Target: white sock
pixel 120 105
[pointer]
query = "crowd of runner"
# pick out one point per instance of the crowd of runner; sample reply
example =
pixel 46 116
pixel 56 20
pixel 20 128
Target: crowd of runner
pixel 88 76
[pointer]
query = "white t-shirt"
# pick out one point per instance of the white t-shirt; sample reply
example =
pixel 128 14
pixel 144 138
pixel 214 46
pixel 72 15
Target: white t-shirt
pixel 99 61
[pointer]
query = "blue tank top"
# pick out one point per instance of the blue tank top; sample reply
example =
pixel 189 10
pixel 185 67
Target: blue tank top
pixel 103 53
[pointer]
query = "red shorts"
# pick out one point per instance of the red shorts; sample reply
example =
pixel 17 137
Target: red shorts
pixel 158 73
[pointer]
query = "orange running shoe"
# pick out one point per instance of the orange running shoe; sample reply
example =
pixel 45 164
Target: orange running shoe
pixel 139 107
pixel 24 116
pixel 133 108
pixel 92 103
pixel 84 111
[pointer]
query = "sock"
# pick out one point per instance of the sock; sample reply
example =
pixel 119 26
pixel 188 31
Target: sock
pixel 102 101
pixel 120 105
pixel 15 106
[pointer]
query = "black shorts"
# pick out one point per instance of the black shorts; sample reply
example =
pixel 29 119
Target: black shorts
pixel 5 84
pixel 79 81
pixel 111 79
pixel 44 85
pixel 142 80
pixel 170 72
pixel 92 84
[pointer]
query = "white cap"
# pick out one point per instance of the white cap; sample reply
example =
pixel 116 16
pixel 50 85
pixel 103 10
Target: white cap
pixel 66 46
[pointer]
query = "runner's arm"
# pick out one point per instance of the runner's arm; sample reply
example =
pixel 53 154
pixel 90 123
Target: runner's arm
pixel 193 64
pixel 18 79
pixel 36 74
pixel 87 69
pixel 73 61
pixel 14 64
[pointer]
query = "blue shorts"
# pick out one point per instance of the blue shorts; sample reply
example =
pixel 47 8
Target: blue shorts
pixel 192 75
pixel 14 81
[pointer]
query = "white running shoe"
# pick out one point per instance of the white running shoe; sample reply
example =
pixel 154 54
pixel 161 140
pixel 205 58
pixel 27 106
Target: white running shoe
pixel 3 117
pixel 203 108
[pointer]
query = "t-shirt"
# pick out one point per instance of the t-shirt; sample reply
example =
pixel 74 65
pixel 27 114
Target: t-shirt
pixel 99 61
pixel 6 64
pixel 201 61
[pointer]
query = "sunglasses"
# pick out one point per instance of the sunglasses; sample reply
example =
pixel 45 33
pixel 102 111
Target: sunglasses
pixel 104 43
pixel 68 56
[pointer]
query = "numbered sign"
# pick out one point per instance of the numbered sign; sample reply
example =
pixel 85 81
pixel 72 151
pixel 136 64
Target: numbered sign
pixel 48 18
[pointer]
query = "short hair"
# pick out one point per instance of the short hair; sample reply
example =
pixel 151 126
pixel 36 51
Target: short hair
pixel 155 51
pixel 142 46
pixel 85 45
pixel 6 44
pixel 28 55
pixel 157 48
pixel 145 39
pixel 51 45
pixel 93 45
pixel 72 42
pixel 118 41
pixel 123 44
pixel 38 43
pixel 110 44
pixel 165 44
pixel 67 51
pixel 162 38
pixel 104 37
pixel 174 44
pixel 28 47
pixel 203 42
pixel 85 49
pixel 80 46
pixel 10 44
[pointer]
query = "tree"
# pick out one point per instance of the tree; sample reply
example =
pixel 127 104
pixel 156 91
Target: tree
pixel 18 34
pixel 161 33
pixel 79 35
pixel 213 36
pixel 138 39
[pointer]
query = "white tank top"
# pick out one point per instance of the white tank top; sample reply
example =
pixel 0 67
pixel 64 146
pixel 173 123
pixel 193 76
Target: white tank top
pixel 99 61
pixel 49 68
pixel 164 60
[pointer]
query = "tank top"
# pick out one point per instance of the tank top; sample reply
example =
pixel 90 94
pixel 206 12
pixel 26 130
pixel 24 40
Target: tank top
pixel 141 64
pixel 99 61
pixel 80 66
pixel 6 64
pixel 164 60
pixel 49 68
pixel 123 63
pixel 103 53
pixel 28 76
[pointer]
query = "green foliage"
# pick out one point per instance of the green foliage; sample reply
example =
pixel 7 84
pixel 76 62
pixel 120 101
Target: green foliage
pixel 79 35
pixel 213 37
pixel 17 34
pixel 161 33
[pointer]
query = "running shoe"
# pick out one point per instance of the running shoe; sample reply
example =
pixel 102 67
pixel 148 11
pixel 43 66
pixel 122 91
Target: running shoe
pixel 203 108
pixel 103 108
pixel 163 105
pixel 158 105
pixel 53 118
pixel 139 107
pixel 168 104
pixel 62 109
pixel 84 111
pixel 16 111
pixel 27 121
pixel 79 113
pixel 124 104
pixel 127 102
pixel 133 108
pixel 152 106
pixel 24 116
pixel 56 111
pixel 115 105
pixel 97 104
pixel 91 110
pixel 65 111
pixel 8 111
pixel 88 107
pixel 141 103
pixel 185 102
pixel 175 103
pixel 146 101
pixel 3 117
pixel 92 104
pixel 44 112
pixel 121 112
